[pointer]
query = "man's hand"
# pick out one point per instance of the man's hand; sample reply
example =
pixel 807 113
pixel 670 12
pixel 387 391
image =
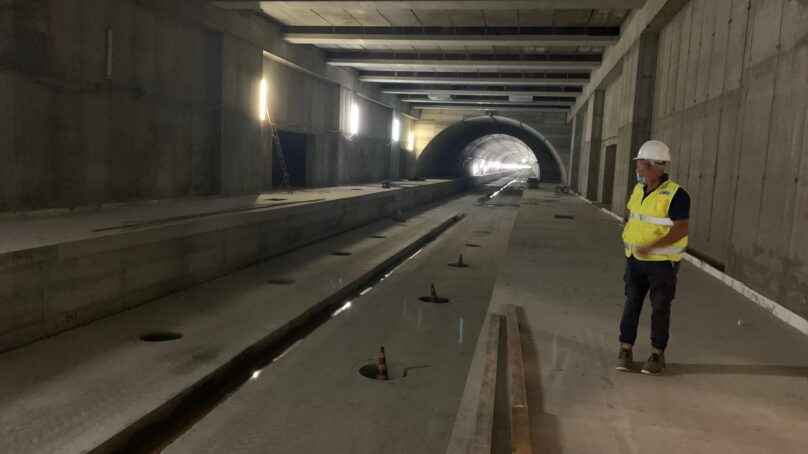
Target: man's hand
pixel 643 250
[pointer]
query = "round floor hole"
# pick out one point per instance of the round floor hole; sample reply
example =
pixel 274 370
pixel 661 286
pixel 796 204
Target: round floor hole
pixel 341 253
pixel 438 300
pixel 378 236
pixel 280 281
pixel 275 199
pixel 472 245
pixel 394 371
pixel 160 336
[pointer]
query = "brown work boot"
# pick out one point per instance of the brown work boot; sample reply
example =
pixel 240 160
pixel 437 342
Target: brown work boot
pixel 655 363
pixel 625 359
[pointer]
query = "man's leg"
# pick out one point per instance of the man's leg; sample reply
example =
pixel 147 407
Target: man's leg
pixel 662 279
pixel 636 287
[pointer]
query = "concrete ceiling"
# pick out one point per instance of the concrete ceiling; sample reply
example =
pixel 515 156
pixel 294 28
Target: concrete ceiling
pixel 497 43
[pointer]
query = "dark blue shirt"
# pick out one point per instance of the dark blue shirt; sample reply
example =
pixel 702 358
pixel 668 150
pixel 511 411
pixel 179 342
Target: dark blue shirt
pixel 679 210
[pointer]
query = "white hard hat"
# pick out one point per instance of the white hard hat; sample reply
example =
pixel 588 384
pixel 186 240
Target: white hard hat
pixel 654 150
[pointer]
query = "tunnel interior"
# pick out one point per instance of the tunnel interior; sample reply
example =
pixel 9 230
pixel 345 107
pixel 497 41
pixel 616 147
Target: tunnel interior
pixel 489 144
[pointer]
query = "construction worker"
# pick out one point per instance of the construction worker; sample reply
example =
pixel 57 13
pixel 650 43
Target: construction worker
pixel 655 238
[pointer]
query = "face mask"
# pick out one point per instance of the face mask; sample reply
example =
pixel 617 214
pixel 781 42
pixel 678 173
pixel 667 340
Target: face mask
pixel 640 179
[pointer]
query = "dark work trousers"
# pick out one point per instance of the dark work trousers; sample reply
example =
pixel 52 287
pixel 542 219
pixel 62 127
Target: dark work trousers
pixel 660 279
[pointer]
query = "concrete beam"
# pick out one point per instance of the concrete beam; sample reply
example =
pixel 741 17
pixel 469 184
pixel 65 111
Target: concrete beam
pixel 463 65
pixel 492 108
pixel 438 4
pixel 653 16
pixel 475 81
pixel 451 40
pixel 415 91
pixel 487 101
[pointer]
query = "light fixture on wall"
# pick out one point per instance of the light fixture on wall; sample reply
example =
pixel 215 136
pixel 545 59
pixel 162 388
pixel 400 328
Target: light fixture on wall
pixel 354 127
pixel 263 105
pixel 396 132
pixel 411 141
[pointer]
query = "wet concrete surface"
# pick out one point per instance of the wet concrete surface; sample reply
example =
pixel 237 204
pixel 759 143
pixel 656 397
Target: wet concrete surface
pixel 315 400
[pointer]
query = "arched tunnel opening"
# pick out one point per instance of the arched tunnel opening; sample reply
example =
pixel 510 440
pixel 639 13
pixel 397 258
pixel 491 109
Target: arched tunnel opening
pixel 490 144
pixel 499 153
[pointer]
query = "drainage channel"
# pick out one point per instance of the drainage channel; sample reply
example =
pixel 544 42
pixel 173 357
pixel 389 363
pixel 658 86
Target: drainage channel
pixel 487 197
pixel 164 425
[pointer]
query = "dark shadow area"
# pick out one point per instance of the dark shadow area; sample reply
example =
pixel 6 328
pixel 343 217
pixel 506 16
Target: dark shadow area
pixel 734 369
pixel 545 434
pixel 443 156
pixel 293 145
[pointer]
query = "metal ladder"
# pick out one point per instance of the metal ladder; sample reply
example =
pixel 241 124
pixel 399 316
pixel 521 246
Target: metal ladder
pixel 287 181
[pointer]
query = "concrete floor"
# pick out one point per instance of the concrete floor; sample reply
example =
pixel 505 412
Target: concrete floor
pixel 29 230
pixel 736 380
pixel 313 400
pixel 74 391
pixel 736 377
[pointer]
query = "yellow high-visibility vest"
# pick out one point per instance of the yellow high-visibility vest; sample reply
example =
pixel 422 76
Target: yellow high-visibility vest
pixel 649 221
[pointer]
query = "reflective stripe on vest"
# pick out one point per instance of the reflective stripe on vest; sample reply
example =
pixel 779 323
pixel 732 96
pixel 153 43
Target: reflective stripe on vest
pixel 657 251
pixel 651 219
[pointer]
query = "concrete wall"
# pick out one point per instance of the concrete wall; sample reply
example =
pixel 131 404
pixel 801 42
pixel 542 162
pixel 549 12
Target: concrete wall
pixel 50 289
pixel 731 100
pixel 80 138
pixel 176 116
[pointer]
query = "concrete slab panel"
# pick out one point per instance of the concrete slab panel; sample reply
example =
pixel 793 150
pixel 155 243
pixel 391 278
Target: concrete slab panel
pixel 720 45
pixel 338 17
pixel 65 45
pixel 145 48
pixel 682 82
pixel 701 210
pixel 32 147
pixel 94 25
pixel 692 69
pixel 764 30
pixel 755 127
pixel 792 29
pixel 8 171
pixel 723 191
pixel 777 187
pixel 672 71
pixel 67 171
pixel 123 60
pixel 20 298
pixel 408 18
pixel 369 17
pixel 736 45
pixel 707 32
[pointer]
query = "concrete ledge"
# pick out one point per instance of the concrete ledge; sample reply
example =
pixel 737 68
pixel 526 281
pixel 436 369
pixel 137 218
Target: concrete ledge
pixel 49 289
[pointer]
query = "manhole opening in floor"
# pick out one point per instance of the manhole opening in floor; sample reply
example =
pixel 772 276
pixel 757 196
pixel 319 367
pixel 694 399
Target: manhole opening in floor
pixel 436 300
pixel 473 245
pixel 276 199
pixel 378 236
pixel 564 216
pixel 280 281
pixel 394 372
pixel 160 336
pixel 341 253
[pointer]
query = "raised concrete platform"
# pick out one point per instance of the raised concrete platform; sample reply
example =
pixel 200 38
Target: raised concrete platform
pixel 61 271
pixel 92 387
pixel 737 377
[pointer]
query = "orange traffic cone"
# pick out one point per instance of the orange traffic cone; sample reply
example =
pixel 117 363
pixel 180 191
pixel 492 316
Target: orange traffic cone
pixel 381 369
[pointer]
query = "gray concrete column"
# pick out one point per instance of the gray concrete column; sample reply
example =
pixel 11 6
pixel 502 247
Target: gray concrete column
pixel 575 150
pixel 593 142
pixel 643 106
